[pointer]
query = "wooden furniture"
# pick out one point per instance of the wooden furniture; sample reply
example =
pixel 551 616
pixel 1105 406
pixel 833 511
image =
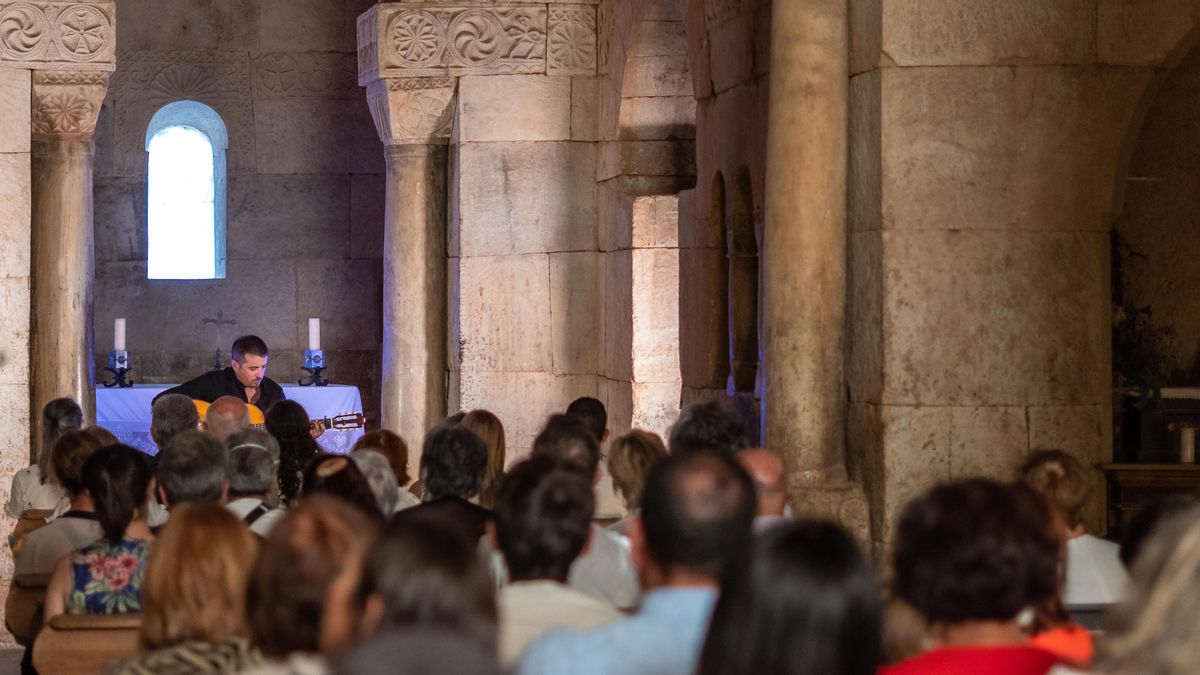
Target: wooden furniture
pixel 83 644
pixel 1133 487
pixel 23 608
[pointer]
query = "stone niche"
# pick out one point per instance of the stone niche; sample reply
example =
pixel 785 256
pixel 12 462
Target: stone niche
pixel 305 189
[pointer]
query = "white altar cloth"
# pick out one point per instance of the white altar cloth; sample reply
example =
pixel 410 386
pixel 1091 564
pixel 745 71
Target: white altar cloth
pixel 126 412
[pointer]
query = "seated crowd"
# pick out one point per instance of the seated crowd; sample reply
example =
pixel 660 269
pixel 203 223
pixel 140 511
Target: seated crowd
pixel 245 550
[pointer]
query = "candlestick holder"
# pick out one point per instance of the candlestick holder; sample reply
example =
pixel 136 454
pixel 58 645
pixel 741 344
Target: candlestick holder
pixel 118 365
pixel 314 363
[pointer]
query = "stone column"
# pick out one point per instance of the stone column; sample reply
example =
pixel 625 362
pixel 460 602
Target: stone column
pixel 413 119
pixel 66 105
pixel 804 248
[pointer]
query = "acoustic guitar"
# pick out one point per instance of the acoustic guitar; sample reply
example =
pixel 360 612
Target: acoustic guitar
pixel 258 420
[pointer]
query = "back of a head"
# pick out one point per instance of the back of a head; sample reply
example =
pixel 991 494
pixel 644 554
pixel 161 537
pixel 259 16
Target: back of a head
pixel 390 445
pixel 697 512
pixel 195 586
pixel 248 345
pixel 193 467
pixel 543 516
pixel 566 440
pixel 1157 628
pixel 975 550
pixel 225 416
pixel 1060 478
pixel 630 459
pixel 489 428
pixel 378 472
pixel 453 462
pixel 714 426
pixel 172 414
pixel 338 476
pixel 255 438
pixel 251 471
pixel 427 577
pixel 808 603
pixel 117 477
pixel 68 454
pixel 288 422
pixel 309 548
pixel 102 435
pixel 424 651
pixel 58 417
pixel 592 413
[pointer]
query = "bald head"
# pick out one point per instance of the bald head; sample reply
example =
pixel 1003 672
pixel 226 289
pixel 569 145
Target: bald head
pixel 767 471
pixel 225 416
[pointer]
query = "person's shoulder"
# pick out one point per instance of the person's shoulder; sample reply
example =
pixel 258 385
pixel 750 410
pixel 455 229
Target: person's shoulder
pixel 562 650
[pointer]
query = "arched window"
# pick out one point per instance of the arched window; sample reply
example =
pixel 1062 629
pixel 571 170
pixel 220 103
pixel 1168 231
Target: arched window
pixel 186 142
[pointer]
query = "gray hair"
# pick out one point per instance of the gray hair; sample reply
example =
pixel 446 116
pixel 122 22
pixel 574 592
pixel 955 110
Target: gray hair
pixel 256 438
pixel 193 467
pixel 170 415
pixel 251 471
pixel 380 477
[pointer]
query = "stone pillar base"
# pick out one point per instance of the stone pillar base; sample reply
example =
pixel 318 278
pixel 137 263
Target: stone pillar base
pixel 841 501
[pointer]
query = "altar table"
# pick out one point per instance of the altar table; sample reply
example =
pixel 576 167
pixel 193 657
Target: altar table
pixel 126 412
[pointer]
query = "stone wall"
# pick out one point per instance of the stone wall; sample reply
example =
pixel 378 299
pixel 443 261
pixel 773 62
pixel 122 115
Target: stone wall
pixel 305 195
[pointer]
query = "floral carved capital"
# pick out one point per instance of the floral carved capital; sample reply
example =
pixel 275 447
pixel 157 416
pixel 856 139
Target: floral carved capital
pixel 66 104
pixel 412 110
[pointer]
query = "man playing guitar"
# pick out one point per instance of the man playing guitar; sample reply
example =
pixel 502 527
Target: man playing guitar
pixel 245 378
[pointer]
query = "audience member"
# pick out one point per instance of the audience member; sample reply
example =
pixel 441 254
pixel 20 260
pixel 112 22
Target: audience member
pixel 225 416
pixel 543 521
pixel 105 577
pixel 605 569
pixel 715 426
pixel 192 467
pixel 1094 572
pixel 78 526
pixel 591 412
pixel 194 596
pixel 421 576
pixel 422 651
pixel 1144 523
pixel 1156 629
pixel 337 476
pixel 36 487
pixel 172 414
pixel 378 472
pixel 975 559
pixel 808 603
pixel 767 470
pixel 252 469
pixel 392 446
pixel 453 463
pixel 630 459
pixel 693 530
pixel 490 430
pixel 289 424
pixel 300 600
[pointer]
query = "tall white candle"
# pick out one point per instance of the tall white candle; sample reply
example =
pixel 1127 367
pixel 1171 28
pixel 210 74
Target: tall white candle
pixel 119 335
pixel 314 333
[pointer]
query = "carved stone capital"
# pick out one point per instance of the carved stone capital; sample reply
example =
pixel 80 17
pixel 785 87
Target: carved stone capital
pixel 429 39
pixel 66 103
pixel 59 35
pixel 415 110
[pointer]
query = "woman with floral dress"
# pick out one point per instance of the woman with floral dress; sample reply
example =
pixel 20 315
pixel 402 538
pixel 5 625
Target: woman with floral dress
pixel 105 577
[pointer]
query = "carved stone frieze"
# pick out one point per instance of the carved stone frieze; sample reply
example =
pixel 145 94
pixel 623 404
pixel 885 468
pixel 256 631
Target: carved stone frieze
pixel 306 74
pixel 572 40
pixel 58 35
pixel 66 104
pixel 148 80
pixel 416 110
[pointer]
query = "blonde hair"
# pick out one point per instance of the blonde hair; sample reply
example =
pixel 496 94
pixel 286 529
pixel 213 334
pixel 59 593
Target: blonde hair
pixel 195 586
pixel 629 462
pixel 1060 478
pixel 487 426
pixel 1157 629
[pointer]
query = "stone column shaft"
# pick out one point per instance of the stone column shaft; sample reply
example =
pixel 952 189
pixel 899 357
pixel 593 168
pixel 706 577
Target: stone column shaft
pixel 804 249
pixel 414 290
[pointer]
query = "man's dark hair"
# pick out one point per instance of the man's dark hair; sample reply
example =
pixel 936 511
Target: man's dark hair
pixel 593 414
pixel 193 467
pixel 566 440
pixel 714 426
pixel 172 414
pixel 697 512
pixel 117 477
pixel 543 514
pixel 248 344
pixel 453 462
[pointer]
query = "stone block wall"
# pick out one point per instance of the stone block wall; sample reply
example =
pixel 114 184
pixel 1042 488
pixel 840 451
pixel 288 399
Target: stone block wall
pixel 305 195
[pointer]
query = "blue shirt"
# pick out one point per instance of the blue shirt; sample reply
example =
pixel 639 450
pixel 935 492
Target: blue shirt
pixel 664 638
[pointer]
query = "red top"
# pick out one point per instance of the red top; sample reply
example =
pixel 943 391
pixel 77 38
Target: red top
pixel 1014 660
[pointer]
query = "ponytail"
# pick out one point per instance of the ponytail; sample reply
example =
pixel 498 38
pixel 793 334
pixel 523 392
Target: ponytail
pixel 117 478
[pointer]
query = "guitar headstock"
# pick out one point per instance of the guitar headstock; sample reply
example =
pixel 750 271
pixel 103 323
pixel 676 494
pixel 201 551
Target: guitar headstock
pixel 348 421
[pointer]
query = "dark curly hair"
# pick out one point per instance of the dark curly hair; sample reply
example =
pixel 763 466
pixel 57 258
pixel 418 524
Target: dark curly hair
pixel 288 423
pixel 714 426
pixel 975 550
pixel 453 462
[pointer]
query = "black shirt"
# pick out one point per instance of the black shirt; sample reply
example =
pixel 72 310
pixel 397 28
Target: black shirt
pixel 217 383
